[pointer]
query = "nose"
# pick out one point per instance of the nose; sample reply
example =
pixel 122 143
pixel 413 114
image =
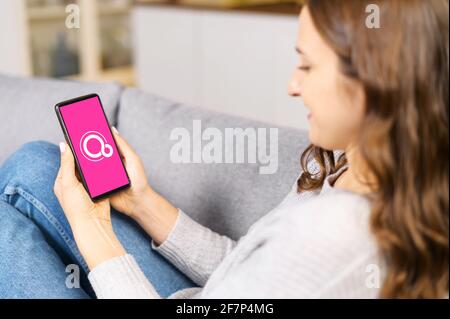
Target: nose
pixel 294 86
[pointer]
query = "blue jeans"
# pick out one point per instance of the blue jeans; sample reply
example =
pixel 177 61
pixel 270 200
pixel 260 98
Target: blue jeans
pixel 36 242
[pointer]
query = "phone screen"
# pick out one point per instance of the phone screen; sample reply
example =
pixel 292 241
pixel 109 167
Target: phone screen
pixel 97 156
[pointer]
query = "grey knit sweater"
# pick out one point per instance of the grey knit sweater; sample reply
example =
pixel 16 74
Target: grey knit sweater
pixel 313 245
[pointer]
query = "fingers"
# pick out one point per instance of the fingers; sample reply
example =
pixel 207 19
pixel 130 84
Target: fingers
pixel 67 170
pixel 124 148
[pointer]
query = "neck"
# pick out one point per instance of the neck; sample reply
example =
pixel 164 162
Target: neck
pixel 355 178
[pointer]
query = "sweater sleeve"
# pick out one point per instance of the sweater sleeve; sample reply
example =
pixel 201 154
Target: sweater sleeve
pixel 121 278
pixel 194 249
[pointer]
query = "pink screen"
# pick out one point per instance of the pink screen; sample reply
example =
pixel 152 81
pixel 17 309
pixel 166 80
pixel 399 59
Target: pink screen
pixel 94 146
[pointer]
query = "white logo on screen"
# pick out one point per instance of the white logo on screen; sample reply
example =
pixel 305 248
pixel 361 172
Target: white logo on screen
pixel 105 149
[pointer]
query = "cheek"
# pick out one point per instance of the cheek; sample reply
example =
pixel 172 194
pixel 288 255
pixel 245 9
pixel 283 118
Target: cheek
pixel 334 123
pixel 334 129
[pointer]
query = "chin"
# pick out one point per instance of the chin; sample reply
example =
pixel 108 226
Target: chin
pixel 315 139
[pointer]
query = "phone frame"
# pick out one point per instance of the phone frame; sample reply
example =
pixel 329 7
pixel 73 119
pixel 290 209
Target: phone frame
pixel 69 141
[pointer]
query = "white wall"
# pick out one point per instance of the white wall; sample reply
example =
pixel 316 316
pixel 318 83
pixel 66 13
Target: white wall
pixel 237 63
pixel 13 38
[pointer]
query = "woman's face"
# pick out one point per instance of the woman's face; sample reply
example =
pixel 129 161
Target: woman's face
pixel 336 103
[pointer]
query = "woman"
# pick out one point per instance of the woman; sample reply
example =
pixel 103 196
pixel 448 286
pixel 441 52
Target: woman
pixel 372 222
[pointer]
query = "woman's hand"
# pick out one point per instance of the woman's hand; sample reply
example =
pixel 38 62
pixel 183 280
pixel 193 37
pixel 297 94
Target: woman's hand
pixel 90 222
pixel 128 201
pixel 152 211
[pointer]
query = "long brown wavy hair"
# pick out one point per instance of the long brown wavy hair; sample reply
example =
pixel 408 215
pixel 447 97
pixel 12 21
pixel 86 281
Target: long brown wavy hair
pixel 403 68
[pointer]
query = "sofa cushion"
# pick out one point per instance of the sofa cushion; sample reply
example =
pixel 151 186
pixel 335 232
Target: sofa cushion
pixel 228 198
pixel 27 108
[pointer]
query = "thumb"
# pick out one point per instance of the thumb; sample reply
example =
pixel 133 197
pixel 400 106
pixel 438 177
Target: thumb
pixel 124 148
pixel 67 169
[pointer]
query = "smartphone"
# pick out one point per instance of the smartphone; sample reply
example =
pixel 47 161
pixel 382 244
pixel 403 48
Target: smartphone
pixel 87 131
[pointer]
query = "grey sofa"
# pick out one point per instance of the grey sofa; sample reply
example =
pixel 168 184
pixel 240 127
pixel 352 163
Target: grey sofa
pixel 228 198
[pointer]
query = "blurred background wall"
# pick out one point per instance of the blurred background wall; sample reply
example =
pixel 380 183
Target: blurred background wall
pixel 14 57
pixel 233 56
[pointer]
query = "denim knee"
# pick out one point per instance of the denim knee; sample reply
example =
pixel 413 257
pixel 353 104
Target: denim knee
pixel 26 183
pixel 35 164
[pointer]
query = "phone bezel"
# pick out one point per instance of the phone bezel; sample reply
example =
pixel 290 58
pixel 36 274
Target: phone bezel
pixel 68 140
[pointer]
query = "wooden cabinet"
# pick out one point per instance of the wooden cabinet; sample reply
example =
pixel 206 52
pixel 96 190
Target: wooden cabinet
pixel 41 43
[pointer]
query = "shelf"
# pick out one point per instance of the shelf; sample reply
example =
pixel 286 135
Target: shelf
pixel 290 8
pixel 124 75
pixel 46 13
pixel 114 10
pixel 58 12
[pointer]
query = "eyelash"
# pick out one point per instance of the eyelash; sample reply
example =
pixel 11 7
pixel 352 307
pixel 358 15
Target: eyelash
pixel 304 68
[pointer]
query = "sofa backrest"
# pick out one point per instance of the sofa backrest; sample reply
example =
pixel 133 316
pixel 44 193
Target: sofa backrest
pixel 27 108
pixel 225 197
